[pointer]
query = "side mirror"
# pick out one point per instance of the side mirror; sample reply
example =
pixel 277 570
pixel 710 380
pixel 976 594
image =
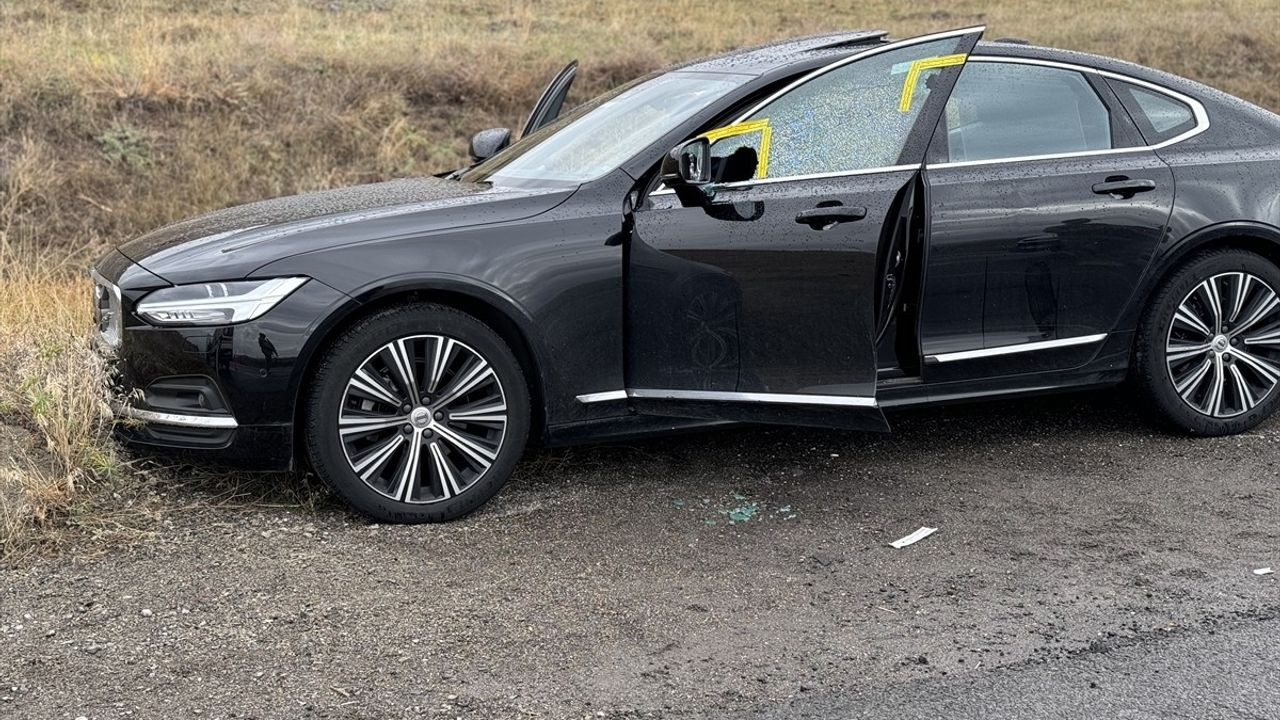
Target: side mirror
pixel 487 143
pixel 687 171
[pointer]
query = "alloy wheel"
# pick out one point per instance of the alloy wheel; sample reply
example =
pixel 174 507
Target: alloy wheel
pixel 1223 345
pixel 422 419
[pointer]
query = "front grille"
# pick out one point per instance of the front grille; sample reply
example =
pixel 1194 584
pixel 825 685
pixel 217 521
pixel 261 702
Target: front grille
pixel 106 310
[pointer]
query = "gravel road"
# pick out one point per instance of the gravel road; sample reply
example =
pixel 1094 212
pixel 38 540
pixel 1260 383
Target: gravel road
pixel 737 573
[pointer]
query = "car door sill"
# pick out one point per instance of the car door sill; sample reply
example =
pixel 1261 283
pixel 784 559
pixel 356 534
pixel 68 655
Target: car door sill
pixel 1011 349
pixel 900 381
pixel 729 396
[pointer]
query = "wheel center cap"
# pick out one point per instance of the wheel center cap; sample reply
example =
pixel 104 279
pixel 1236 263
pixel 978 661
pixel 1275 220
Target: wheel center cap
pixel 1220 344
pixel 420 418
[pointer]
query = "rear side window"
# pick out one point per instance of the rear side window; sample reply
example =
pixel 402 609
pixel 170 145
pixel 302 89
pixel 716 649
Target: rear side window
pixel 1013 110
pixel 1159 117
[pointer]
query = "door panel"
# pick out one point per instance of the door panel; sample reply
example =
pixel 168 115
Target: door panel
pixel 760 306
pixel 1045 208
pixel 1027 252
pixel 741 296
pixel 549 104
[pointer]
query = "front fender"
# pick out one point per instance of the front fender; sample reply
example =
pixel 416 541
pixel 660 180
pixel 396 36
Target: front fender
pixel 551 283
pixel 485 301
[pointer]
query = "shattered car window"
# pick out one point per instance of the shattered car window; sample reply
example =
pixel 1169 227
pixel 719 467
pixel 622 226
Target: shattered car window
pixel 740 152
pixel 856 116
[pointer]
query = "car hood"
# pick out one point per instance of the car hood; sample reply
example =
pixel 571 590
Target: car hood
pixel 231 243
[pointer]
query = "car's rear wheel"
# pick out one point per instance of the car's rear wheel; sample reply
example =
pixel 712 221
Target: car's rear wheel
pixel 417 413
pixel 1208 350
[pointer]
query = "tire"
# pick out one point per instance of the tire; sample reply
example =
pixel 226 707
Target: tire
pixel 1182 359
pixel 438 457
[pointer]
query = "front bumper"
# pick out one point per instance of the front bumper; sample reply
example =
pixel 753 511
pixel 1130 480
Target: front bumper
pixel 223 393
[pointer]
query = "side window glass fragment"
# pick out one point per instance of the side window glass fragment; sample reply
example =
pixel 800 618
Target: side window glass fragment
pixel 740 152
pixel 1007 110
pixel 911 83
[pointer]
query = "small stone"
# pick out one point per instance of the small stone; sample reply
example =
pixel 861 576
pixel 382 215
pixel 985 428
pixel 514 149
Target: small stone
pixel 146 612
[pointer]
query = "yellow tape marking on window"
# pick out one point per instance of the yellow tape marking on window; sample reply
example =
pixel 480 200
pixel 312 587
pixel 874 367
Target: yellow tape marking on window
pixel 919 66
pixel 744 128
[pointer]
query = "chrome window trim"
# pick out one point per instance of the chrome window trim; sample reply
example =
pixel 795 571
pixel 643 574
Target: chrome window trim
pixel 744 184
pixel 218 422
pixel 896 45
pixel 1012 349
pixel 730 396
pixel 1197 109
pixel 818 176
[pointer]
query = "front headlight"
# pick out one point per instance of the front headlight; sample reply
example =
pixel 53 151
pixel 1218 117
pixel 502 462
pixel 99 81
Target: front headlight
pixel 221 303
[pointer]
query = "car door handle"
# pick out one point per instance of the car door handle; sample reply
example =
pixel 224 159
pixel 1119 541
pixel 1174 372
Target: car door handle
pixel 1123 187
pixel 821 218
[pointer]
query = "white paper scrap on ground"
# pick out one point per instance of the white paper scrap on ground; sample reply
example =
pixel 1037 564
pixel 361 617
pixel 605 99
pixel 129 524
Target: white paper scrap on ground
pixel 913 538
pixel 1263 571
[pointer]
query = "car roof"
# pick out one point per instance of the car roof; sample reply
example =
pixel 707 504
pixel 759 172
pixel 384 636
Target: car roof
pixel 1107 64
pixel 762 59
pixel 809 51
pixel 785 58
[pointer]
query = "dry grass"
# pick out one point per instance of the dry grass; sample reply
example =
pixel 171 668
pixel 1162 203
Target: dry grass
pixel 53 379
pixel 119 115
pixel 152 110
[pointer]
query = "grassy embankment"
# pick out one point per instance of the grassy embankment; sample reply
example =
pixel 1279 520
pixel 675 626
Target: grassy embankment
pixel 117 116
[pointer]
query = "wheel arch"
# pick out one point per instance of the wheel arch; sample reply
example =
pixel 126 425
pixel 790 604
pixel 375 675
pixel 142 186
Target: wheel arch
pixel 1221 247
pixel 1257 237
pixel 486 303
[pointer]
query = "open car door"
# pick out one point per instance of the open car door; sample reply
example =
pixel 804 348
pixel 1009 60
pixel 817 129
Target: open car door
pixel 763 302
pixel 549 105
pixel 546 110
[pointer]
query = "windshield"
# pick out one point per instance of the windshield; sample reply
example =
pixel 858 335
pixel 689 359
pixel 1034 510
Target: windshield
pixel 602 134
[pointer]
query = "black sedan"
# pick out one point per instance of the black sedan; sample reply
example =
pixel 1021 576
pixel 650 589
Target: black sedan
pixel 808 232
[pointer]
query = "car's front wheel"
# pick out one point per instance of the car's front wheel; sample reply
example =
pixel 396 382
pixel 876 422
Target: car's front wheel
pixel 417 413
pixel 1208 350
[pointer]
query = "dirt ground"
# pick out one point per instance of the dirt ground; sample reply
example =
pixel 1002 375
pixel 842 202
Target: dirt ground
pixel 732 573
